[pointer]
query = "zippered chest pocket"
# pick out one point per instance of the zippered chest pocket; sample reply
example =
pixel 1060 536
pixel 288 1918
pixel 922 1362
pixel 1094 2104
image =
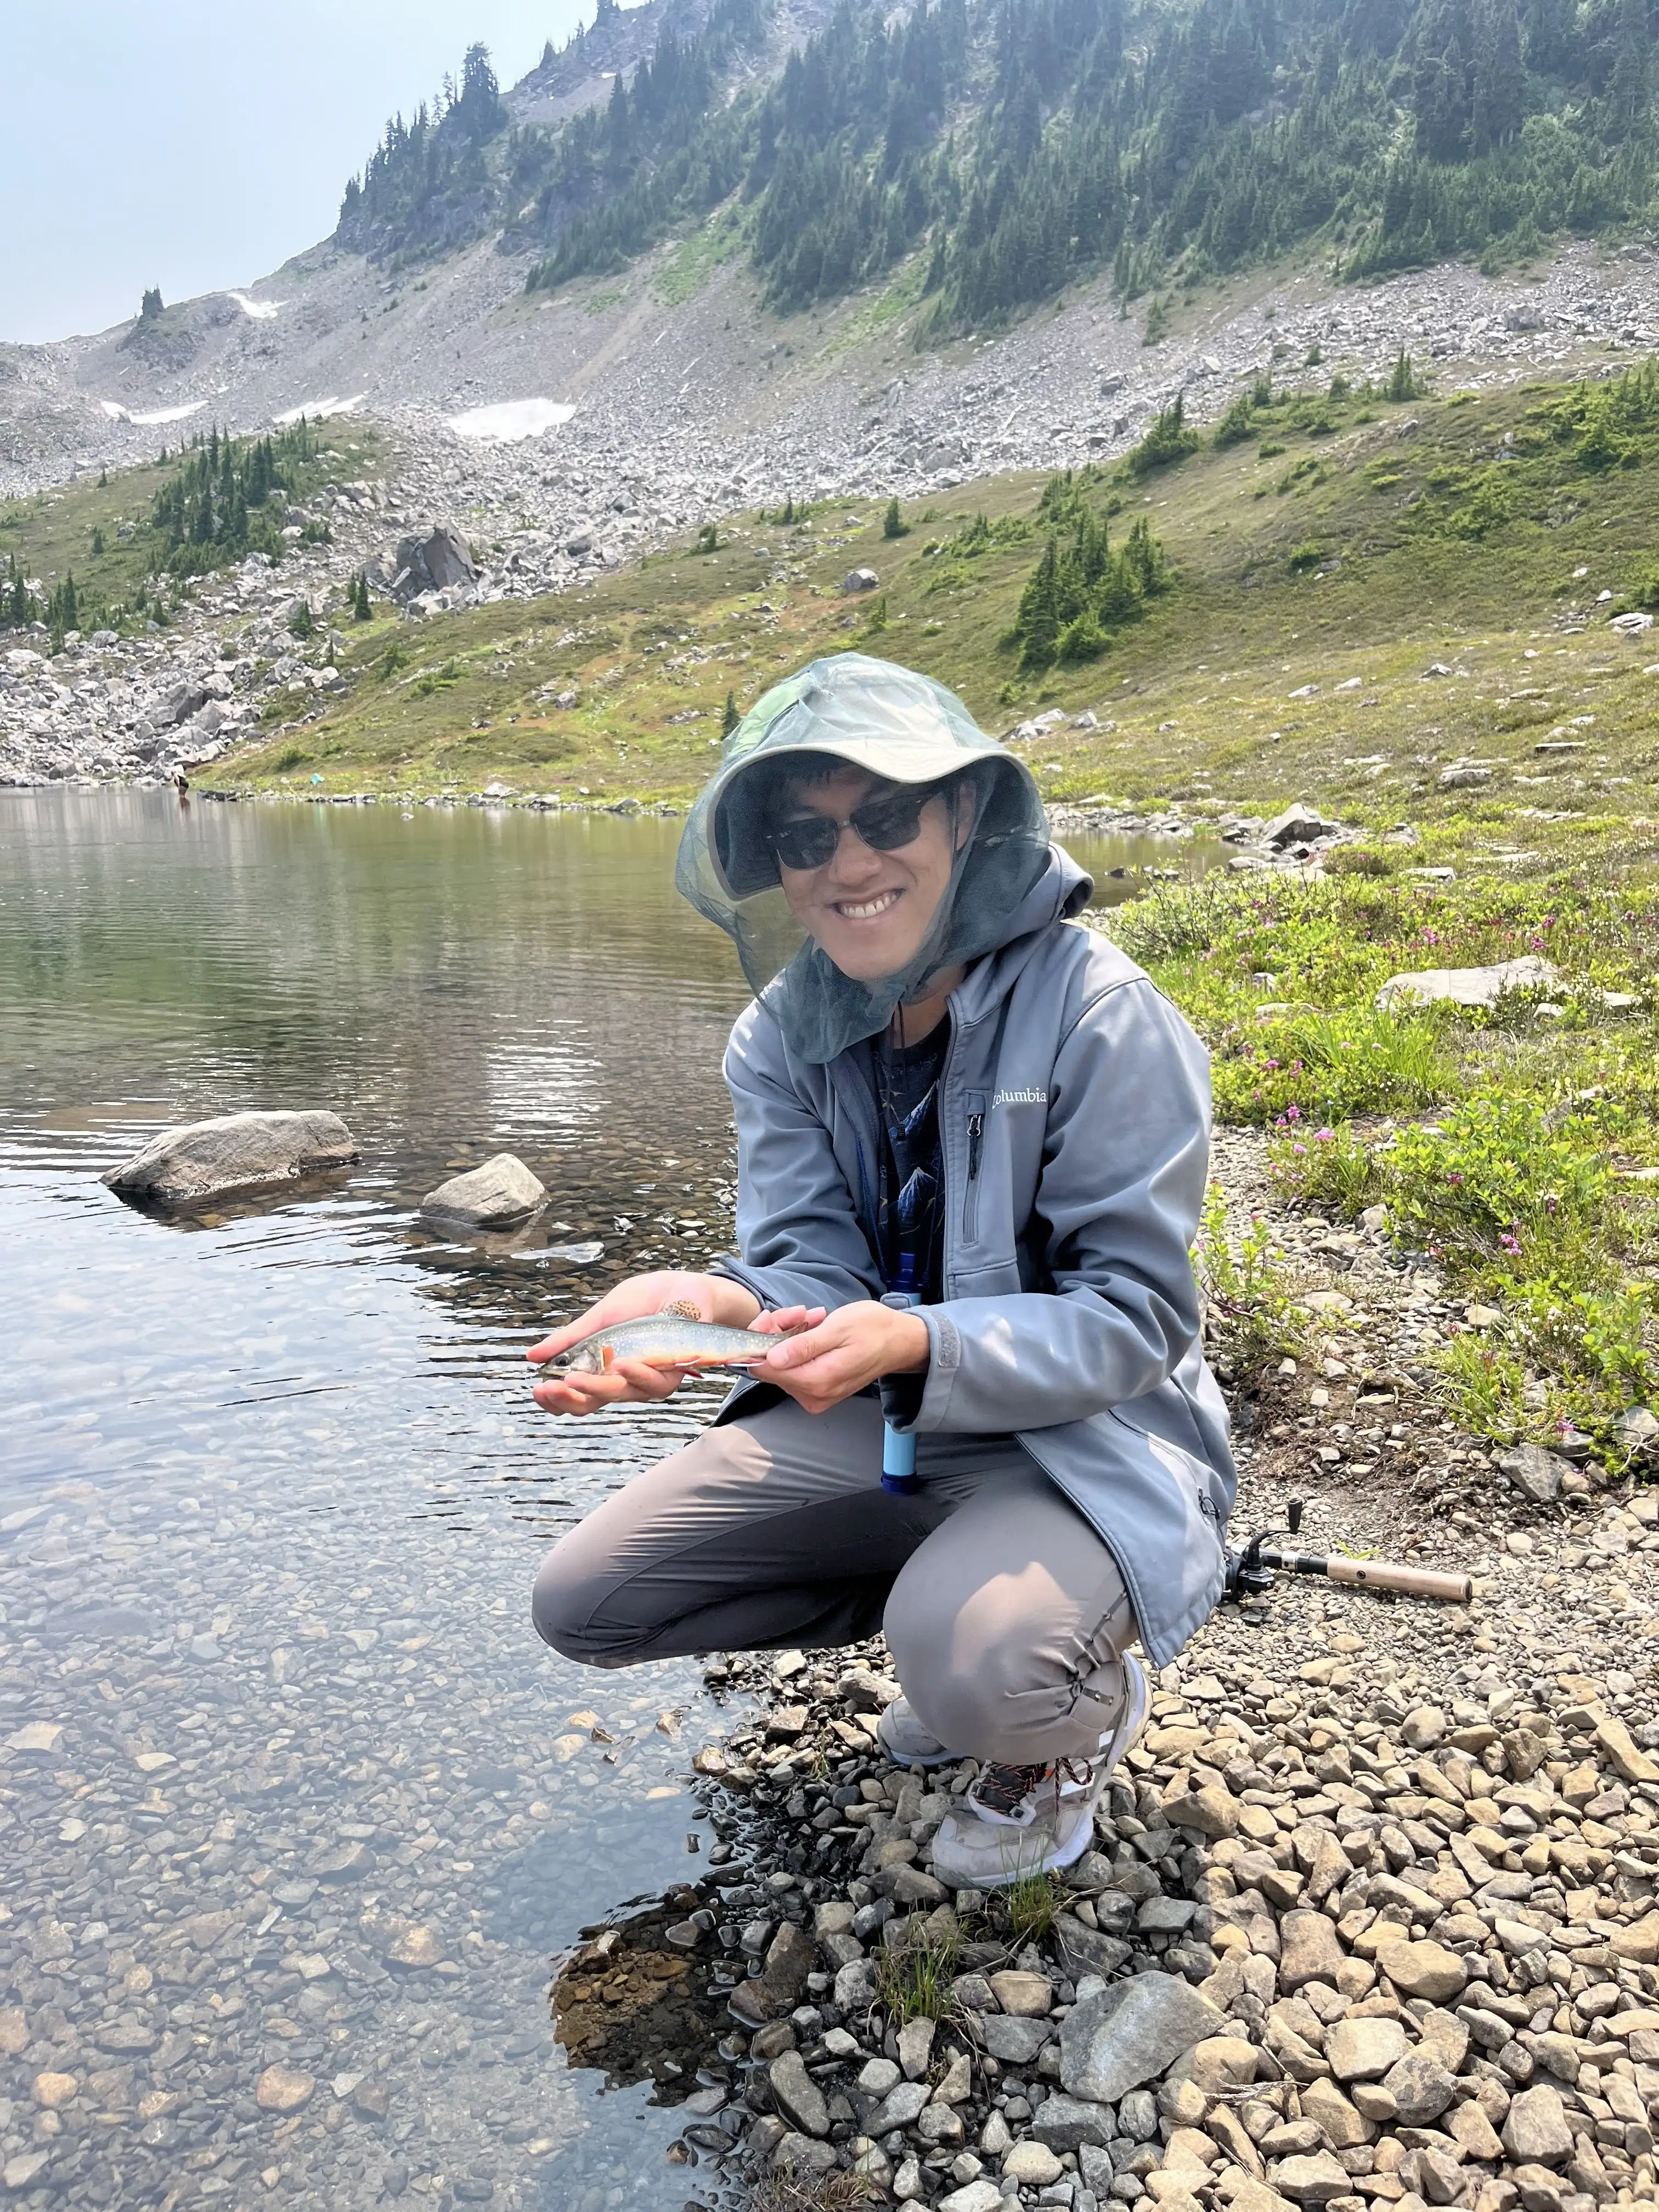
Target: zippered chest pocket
pixel 977 1103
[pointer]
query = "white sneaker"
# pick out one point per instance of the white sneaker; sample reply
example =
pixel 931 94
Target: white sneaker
pixel 1021 1820
pixel 907 1743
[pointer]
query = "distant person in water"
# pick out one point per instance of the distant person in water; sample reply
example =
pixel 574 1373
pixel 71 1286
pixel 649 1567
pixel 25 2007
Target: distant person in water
pixel 182 784
pixel 949 1089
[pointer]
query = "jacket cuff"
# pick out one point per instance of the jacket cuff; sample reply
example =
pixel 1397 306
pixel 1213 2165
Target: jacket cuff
pixel 943 1358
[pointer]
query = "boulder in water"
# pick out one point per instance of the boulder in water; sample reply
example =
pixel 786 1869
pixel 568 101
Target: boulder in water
pixel 233 1152
pixel 502 1191
pixel 1299 825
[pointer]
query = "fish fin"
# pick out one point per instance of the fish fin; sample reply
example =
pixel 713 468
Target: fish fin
pixel 607 1359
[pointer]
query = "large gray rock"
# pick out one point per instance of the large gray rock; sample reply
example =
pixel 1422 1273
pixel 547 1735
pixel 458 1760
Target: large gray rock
pixel 1535 1473
pixel 233 1152
pixel 502 1190
pixel 1420 2087
pixel 902 2103
pixel 1113 2042
pixel 1364 2050
pixel 781 1982
pixel 1468 987
pixel 1636 1432
pixel 437 562
pixel 1089 1950
pixel 1299 825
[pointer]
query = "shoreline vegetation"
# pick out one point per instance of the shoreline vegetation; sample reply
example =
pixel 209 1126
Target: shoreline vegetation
pixel 1425 614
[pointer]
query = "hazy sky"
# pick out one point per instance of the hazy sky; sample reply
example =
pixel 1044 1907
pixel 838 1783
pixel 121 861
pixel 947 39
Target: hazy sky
pixel 195 144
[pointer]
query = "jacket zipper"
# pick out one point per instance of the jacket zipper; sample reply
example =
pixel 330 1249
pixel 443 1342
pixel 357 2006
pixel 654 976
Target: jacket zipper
pixel 976 1147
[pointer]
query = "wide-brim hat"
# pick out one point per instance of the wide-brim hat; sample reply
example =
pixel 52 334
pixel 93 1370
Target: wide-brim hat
pixel 891 721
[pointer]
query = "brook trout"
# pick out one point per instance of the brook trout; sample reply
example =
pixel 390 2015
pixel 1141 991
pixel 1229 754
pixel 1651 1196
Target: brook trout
pixel 664 1340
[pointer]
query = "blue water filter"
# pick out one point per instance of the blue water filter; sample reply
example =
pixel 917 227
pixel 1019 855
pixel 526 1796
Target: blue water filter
pixel 898 1447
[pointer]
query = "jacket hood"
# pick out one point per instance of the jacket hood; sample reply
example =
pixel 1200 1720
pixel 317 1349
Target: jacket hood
pixel 1059 894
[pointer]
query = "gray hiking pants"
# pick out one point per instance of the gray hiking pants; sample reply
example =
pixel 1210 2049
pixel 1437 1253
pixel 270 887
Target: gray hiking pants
pixel 1004 1611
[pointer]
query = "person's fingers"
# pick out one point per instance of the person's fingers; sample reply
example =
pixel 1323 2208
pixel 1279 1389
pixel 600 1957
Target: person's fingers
pixel 824 1381
pixel 786 1320
pixel 646 1382
pixel 630 1381
pixel 808 1343
pixel 557 1395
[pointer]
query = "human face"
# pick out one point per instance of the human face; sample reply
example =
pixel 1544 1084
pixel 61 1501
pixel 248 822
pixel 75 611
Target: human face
pixel 870 911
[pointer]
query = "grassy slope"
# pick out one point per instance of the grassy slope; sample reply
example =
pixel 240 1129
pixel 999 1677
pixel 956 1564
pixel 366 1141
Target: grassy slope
pixel 51 533
pixel 1378 541
pixel 1200 690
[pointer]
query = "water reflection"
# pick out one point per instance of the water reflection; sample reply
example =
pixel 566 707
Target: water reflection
pixel 285 1782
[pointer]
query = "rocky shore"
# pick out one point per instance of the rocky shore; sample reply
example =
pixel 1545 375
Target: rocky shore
pixel 1370 1917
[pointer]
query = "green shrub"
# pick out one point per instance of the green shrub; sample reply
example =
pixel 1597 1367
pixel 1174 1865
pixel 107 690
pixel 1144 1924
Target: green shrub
pixel 1249 1320
pixel 1168 441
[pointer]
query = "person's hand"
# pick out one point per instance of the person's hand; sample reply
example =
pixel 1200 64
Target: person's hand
pixel 834 1356
pixel 630 1381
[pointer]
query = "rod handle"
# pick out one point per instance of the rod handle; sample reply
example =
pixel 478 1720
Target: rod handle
pixel 1414 1582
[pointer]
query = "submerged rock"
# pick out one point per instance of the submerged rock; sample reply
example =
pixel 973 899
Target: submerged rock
pixel 233 1152
pixel 502 1190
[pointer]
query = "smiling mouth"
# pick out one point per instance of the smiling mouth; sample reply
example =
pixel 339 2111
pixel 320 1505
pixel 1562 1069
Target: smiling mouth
pixel 868 909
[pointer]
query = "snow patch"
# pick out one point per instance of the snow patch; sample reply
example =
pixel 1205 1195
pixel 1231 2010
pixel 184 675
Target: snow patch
pixel 258 310
pixel 315 410
pixel 116 413
pixel 511 419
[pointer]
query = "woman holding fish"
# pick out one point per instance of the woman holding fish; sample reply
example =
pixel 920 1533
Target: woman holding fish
pixel 973 1140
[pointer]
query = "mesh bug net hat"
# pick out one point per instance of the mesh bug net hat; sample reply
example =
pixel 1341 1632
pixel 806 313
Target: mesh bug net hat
pixel 905 729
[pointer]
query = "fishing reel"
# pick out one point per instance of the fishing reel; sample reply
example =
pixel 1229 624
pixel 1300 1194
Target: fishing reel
pixel 1250 1572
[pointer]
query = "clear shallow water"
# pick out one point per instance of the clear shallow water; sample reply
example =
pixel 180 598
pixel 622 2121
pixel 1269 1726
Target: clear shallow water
pixel 285 1779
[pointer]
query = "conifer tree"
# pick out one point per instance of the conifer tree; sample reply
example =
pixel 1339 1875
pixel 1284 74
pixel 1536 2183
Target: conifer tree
pixel 730 717
pixel 1402 380
pixel 893 523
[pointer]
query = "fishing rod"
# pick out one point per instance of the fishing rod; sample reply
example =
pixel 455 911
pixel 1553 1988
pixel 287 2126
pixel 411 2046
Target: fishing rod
pixel 1250 1572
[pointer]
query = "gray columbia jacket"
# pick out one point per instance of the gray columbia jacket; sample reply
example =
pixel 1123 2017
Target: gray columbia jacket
pixel 1074 1113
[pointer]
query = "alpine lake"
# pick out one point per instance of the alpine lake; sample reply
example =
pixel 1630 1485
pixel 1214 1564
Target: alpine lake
pixel 300 1823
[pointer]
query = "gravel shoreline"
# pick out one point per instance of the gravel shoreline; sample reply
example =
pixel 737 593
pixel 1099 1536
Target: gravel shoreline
pixel 1371 1915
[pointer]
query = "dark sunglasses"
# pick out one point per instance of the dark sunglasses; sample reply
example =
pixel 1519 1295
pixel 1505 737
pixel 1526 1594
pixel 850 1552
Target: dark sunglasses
pixel 809 841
